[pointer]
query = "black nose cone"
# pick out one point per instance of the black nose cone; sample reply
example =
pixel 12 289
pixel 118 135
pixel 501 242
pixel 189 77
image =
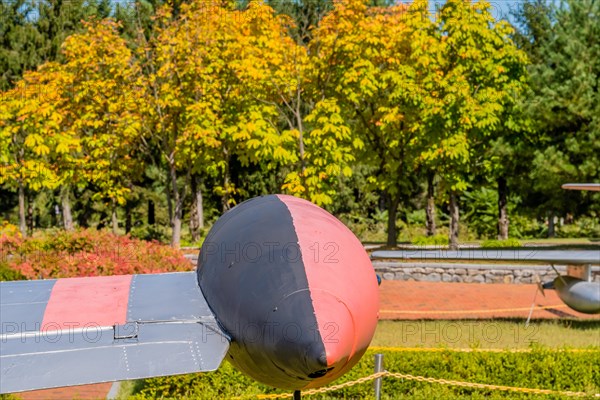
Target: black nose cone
pixel 316 360
pixel 296 345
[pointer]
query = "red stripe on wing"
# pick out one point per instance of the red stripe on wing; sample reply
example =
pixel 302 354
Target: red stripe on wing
pixel 87 302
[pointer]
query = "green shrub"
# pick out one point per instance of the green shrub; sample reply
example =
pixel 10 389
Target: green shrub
pixel 437 240
pixel 222 384
pixel 8 397
pixel 481 211
pixel 61 254
pixel 9 229
pixel 158 233
pixel 8 274
pixel 481 215
pixel 583 227
pixel 501 243
pixel 416 217
pixel 367 229
pixel 523 227
pixel 542 368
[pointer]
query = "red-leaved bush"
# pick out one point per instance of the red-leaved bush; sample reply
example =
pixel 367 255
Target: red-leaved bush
pixel 60 254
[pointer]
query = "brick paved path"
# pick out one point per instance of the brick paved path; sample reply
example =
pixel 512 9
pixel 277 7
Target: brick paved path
pixel 413 300
pixel 437 300
pixel 84 392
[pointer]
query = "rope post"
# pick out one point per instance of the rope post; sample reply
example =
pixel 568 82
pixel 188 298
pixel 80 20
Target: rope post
pixel 297 395
pixel 378 381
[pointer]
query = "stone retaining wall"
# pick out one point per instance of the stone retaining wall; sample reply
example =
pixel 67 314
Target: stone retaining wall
pixel 478 273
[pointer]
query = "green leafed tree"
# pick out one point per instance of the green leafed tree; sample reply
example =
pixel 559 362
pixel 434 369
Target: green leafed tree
pixel 32 32
pixel 306 136
pixel 206 103
pixel 29 125
pixel 480 72
pixel 103 111
pixel 564 102
pixel 372 60
pixel 75 122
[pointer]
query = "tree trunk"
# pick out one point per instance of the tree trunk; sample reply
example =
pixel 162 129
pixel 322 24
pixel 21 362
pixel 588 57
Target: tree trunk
pixel 392 232
pixel 22 223
pixel 114 219
pixel 128 217
pixel 197 210
pixel 430 208
pixel 176 237
pixel 551 231
pixel 178 210
pixel 65 194
pixel 151 213
pixel 454 219
pixel 29 214
pixel 225 197
pixel 83 218
pixel 102 221
pixel 54 215
pixel 226 180
pixel 502 209
pixel 169 204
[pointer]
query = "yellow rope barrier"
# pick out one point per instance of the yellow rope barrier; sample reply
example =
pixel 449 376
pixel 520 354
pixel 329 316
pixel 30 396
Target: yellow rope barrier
pixel 416 378
pixel 488 387
pixel 470 311
pixel 325 389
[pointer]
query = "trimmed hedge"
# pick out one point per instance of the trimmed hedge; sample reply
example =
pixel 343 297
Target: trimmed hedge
pixel 542 368
pixel 493 243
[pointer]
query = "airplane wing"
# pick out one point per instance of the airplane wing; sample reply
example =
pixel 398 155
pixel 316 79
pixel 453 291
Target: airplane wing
pixel 570 257
pixel 78 331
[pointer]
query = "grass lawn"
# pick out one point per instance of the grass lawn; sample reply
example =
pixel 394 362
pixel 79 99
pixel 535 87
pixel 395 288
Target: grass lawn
pixel 488 334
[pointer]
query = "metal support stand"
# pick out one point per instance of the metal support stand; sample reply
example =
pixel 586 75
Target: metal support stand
pixel 378 381
pixel 540 288
pixel 297 395
pixel 580 271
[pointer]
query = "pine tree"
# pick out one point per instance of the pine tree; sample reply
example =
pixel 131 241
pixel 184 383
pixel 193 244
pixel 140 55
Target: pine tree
pixel 564 103
pixel 19 41
pixel 33 31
